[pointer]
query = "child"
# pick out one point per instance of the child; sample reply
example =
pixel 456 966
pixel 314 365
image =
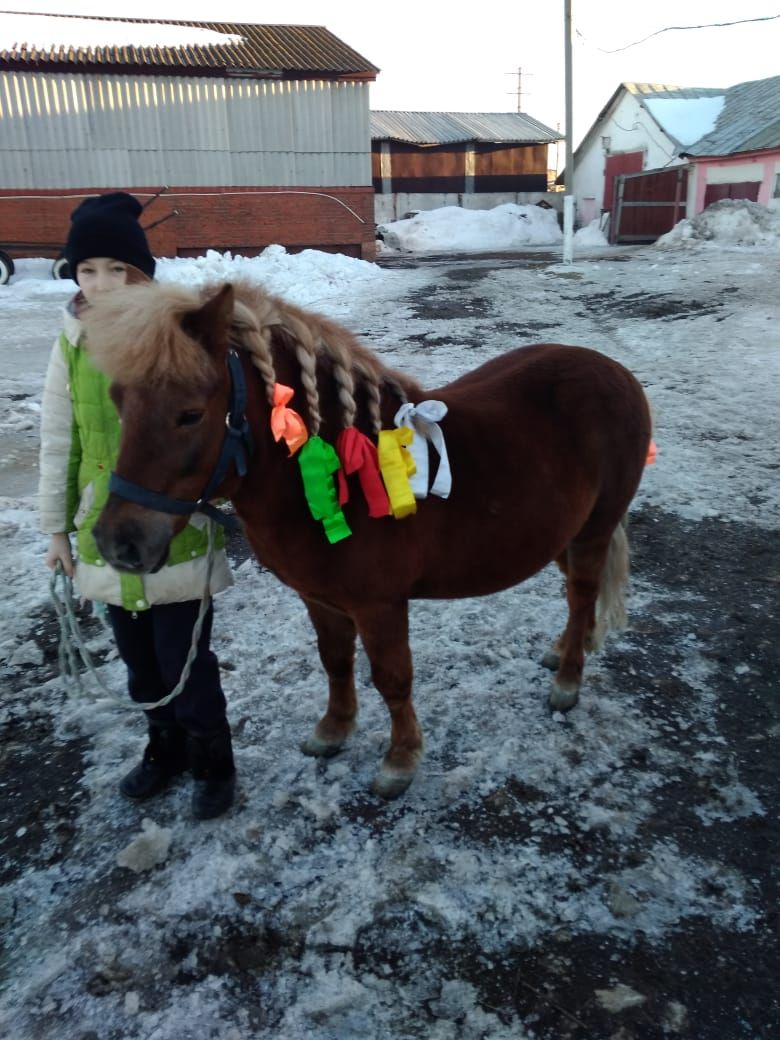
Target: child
pixel 80 432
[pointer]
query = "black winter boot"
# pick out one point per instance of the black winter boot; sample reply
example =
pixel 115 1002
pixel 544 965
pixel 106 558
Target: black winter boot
pixel 211 762
pixel 165 756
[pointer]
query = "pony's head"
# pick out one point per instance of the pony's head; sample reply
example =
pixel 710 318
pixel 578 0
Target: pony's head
pixel 164 350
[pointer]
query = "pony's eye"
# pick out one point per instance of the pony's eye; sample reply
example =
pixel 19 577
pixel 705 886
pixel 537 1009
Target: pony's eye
pixel 189 418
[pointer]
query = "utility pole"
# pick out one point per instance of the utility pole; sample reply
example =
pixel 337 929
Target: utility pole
pixel 568 199
pixel 519 91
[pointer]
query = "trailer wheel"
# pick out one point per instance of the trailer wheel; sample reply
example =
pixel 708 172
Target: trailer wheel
pixel 6 267
pixel 60 269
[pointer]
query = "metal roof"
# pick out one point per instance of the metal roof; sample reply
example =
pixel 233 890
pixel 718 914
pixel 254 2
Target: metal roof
pixel 750 120
pixel 432 128
pixel 72 43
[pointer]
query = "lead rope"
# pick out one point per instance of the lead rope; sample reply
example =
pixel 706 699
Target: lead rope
pixel 72 646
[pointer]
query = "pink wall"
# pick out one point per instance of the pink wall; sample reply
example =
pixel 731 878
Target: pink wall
pixel 768 159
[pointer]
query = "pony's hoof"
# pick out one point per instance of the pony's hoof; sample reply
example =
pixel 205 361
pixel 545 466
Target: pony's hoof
pixel 563 698
pixel 327 739
pixel 316 748
pixel 552 659
pixel 390 783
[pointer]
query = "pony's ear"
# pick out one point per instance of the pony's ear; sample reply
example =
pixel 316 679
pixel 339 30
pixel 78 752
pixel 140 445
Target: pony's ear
pixel 209 324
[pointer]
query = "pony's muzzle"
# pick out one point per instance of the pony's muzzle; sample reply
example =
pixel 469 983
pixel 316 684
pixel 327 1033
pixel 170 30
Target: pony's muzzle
pixel 132 539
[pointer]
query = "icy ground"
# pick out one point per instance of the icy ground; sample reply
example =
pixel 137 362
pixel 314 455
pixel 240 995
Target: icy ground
pixel 529 848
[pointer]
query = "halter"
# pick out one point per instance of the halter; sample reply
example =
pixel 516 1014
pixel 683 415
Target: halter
pixel 236 448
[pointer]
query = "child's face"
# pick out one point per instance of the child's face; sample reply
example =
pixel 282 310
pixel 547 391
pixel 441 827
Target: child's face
pixel 100 274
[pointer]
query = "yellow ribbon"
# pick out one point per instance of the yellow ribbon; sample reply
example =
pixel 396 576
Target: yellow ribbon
pixel 397 465
pixel 285 422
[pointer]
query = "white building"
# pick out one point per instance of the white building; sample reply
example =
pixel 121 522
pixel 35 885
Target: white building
pixel 643 126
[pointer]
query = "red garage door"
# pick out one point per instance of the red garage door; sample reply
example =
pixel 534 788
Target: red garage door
pixel 743 190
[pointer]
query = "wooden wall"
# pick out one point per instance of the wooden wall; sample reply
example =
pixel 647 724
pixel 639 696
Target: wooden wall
pixel 464 167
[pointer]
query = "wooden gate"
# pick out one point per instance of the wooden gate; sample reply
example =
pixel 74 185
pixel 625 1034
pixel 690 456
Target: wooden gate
pixel 646 205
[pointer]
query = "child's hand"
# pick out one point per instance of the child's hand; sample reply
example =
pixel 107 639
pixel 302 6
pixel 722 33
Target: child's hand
pixel 59 552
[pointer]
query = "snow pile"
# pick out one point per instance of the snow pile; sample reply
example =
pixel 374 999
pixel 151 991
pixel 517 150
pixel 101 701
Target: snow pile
pixel 303 278
pixel 451 228
pixel 590 236
pixel 147 850
pixel 730 222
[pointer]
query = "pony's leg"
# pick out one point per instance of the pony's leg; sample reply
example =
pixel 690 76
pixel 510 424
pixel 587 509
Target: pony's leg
pixel 336 636
pixel 552 658
pixel 384 631
pixel 586 561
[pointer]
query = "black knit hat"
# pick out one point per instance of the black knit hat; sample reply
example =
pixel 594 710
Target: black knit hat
pixel 108 226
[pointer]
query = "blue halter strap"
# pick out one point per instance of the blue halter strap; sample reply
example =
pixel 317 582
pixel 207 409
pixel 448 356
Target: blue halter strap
pixel 236 449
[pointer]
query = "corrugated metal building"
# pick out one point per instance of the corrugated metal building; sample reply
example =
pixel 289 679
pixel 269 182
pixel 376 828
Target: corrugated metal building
pixel 421 160
pixel 260 132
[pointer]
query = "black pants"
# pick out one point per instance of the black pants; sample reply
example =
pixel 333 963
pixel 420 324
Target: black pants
pixel 154 645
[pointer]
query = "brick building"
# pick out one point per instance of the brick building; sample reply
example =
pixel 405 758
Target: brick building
pixel 259 134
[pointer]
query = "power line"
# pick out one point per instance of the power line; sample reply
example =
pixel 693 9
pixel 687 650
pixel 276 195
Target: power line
pixel 677 28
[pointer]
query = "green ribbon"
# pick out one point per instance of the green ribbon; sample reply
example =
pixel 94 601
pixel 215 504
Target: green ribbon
pixel 318 462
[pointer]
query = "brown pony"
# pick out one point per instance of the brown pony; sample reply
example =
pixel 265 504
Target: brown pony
pixel 546 443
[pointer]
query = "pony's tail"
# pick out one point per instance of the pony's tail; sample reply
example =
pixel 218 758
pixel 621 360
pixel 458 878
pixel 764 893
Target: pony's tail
pixel 611 602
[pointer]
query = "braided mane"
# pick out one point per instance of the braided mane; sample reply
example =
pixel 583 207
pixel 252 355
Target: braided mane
pixel 136 333
pixel 262 321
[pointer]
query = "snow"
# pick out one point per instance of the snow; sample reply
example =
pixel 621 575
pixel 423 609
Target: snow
pixel 509 226
pixel 47 31
pixel 736 222
pixel 589 237
pixel 310 910
pixel 686 119
pixel 147 850
pixel 452 228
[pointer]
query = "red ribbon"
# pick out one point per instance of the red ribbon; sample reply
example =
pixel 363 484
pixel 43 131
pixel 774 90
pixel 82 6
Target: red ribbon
pixel 358 455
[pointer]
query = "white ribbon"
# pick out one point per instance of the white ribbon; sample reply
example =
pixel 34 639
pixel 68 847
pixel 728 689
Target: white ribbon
pixel 423 419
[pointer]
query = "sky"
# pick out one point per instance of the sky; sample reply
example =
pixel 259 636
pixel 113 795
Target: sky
pixel 148 930
pixel 469 60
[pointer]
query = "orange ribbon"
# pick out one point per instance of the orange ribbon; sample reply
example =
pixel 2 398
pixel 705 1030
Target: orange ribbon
pixel 285 423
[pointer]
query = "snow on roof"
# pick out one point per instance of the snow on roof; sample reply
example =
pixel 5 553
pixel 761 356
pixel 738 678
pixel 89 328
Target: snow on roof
pixel 72 42
pixel 750 120
pixel 686 119
pixel 48 32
